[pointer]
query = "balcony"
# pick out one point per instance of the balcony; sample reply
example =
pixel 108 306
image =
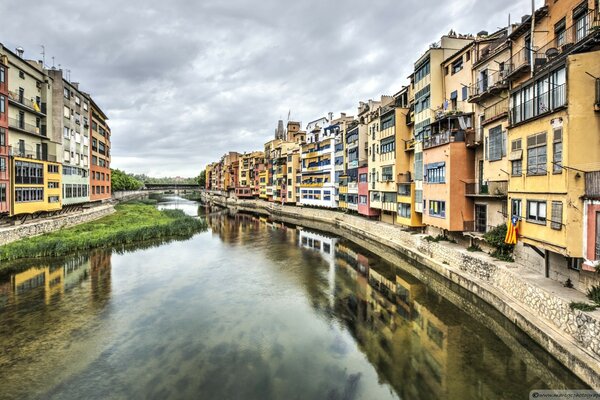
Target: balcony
pixel 489 85
pixel 404 177
pixel 569 39
pixel 491 49
pixel 592 185
pixel 474 138
pixel 495 111
pixel 34 155
pixel 444 137
pixel 519 64
pixel 353 187
pixel 22 126
pixel 19 100
pixel 409 145
pixel 491 189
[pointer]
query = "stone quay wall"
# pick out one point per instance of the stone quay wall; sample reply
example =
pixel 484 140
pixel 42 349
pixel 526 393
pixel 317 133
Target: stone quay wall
pixel 534 304
pixel 17 232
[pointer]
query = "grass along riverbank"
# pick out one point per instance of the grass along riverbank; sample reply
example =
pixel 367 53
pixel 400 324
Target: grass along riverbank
pixel 132 222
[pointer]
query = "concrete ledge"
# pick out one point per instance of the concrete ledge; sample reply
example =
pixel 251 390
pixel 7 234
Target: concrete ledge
pixel 538 306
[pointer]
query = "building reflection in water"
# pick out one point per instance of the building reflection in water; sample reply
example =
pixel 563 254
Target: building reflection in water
pixel 420 343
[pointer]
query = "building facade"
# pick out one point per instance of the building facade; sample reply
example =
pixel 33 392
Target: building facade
pixel 99 131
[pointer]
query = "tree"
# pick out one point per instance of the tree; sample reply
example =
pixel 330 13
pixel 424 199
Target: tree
pixel 202 179
pixel 120 180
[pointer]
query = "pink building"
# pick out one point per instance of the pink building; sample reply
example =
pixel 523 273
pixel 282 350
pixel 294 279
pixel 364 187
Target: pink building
pixel 364 202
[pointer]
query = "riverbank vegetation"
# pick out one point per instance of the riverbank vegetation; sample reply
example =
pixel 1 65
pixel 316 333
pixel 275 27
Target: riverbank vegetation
pixel 132 222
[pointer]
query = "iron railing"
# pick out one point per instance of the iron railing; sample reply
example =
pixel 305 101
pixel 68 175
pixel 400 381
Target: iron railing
pixel 564 41
pixel 20 124
pixel 495 80
pixel 29 103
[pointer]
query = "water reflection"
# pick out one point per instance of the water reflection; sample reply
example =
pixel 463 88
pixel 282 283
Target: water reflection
pixel 253 309
pixel 420 343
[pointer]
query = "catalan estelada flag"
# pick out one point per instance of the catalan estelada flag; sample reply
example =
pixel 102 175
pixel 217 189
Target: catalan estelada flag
pixel 512 231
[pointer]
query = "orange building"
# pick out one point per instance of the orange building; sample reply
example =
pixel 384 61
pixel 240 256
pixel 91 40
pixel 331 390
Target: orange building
pixel 99 154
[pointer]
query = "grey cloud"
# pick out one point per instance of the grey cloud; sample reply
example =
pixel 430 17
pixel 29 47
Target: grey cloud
pixel 185 81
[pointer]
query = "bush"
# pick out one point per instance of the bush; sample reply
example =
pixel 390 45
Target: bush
pixel 495 238
pixel 582 306
pixel 594 294
pixel 474 247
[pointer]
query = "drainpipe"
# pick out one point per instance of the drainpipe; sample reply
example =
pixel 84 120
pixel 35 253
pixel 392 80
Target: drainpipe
pixel 531 46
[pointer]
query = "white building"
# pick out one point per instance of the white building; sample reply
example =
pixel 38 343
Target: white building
pixel 317 186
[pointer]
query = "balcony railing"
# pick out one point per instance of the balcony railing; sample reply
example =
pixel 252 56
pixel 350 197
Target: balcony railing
pixel 489 84
pixel 497 110
pixel 564 42
pixel 519 62
pixel 29 103
pixel 541 104
pixel 489 189
pixel 489 49
pixel 404 177
pixel 409 145
pixel 443 137
pixel 34 155
pixel 592 185
pixel 29 128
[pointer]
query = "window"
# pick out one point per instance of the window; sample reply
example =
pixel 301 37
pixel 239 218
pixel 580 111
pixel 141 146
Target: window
pixel 53 185
pixel 515 208
pixel 387 145
pixel 387 122
pixel 544 95
pixel 66 112
pixel 53 199
pixel 2 74
pixel 516 168
pixel 2 164
pixel 2 104
pixel 579 16
pixel 362 177
pixel 362 199
pixel 25 195
pixel 435 172
pixel 560 33
pixel 52 169
pixel 29 173
pixel 66 93
pixel 404 210
pixel 422 71
pixel 556 221
pixel 457 66
pixel 536 211
pixel 21 74
pixel 557 151
pixel 389 197
pixel 536 154
pixel 422 100
pixel 2 192
pixel 2 137
pixel 496 144
pixel 465 92
pixel 419 166
pixel 437 208
pixel 387 173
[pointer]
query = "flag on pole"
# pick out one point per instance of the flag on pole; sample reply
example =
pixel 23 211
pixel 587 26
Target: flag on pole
pixel 512 230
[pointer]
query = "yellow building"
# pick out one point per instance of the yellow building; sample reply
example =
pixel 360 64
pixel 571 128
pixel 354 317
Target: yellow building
pixel 404 176
pixel 553 135
pixel 35 168
pixel 489 95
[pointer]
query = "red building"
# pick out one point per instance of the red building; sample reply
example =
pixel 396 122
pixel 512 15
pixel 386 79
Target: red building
pixel 364 202
pixel 100 187
pixel 4 150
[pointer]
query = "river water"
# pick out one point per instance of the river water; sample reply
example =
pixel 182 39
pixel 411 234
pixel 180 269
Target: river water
pixel 253 309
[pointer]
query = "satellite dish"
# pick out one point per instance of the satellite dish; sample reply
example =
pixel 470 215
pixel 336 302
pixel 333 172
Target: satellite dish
pixel 552 52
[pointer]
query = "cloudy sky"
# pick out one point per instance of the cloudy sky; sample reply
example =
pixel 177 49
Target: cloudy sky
pixel 184 81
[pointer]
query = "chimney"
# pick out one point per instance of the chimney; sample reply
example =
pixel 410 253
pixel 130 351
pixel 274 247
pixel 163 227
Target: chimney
pixel 20 51
pixel 330 115
pixel 75 85
pixel 343 115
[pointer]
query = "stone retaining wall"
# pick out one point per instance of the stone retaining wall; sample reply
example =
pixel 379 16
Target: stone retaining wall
pixel 14 233
pixel 572 336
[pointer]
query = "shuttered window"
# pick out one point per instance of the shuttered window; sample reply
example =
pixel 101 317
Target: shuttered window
pixel 557 151
pixel 557 209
